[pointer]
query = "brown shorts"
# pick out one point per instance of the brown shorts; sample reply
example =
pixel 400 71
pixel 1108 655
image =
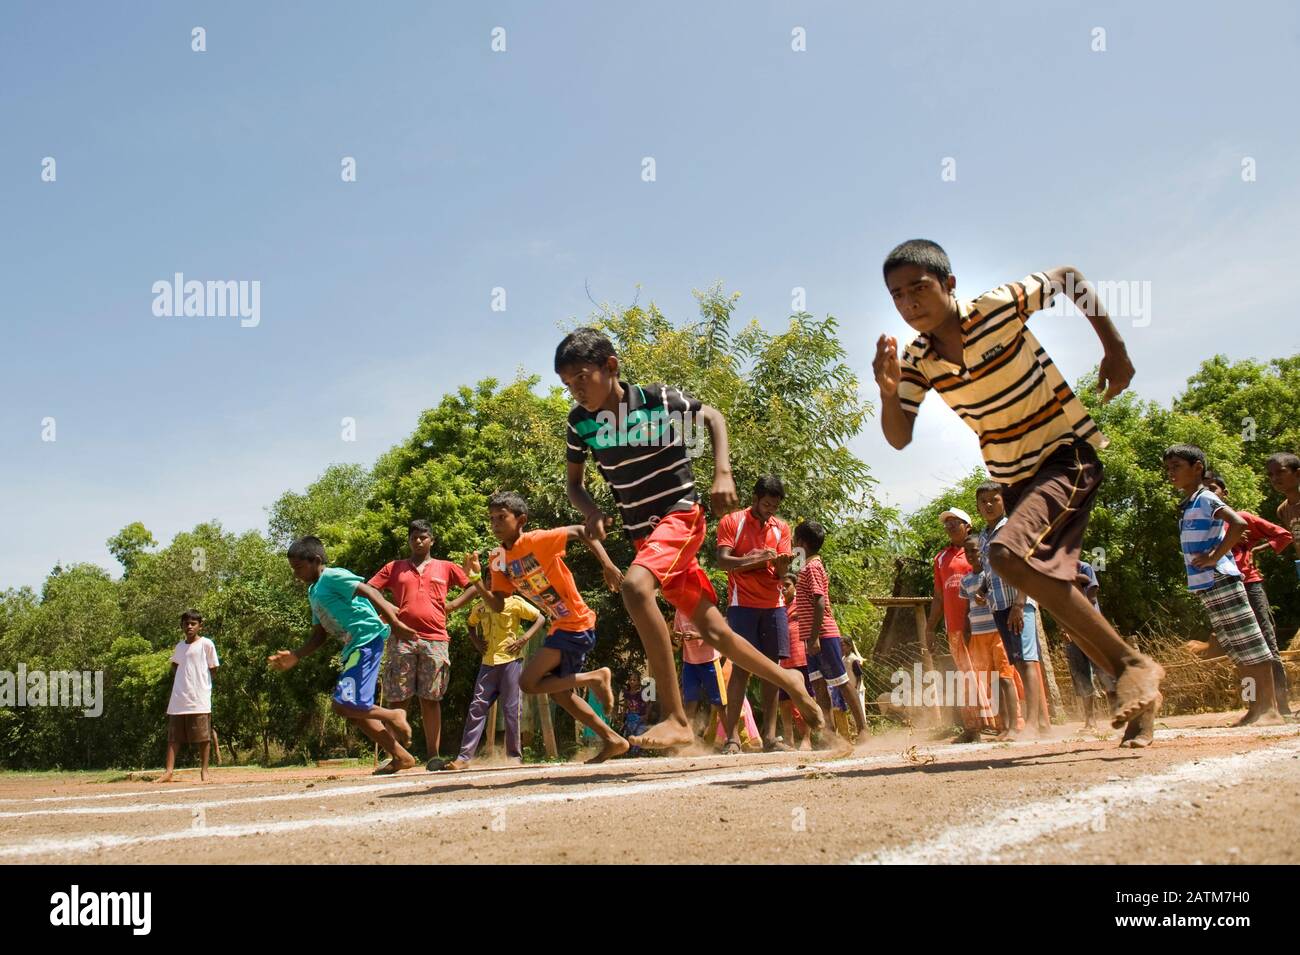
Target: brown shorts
pixel 1048 513
pixel 189 728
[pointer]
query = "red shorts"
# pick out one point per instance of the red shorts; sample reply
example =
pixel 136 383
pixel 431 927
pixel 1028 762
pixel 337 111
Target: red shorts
pixel 669 552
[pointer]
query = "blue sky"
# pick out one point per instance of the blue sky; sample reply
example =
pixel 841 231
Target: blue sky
pixel 522 169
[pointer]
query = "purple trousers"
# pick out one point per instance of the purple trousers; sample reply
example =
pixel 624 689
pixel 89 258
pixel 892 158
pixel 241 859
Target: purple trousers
pixel 500 681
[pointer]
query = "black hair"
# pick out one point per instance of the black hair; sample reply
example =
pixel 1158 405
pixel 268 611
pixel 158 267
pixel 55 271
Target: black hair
pixel 1214 477
pixel 1187 452
pixel 191 615
pixel 988 487
pixel 769 485
pixel 510 501
pixel 307 548
pixel 583 346
pixel 812 534
pixel 1285 459
pixel 928 255
pixel 420 526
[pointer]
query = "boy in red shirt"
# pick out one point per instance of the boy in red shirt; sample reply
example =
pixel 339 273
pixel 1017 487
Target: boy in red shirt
pixel 420 667
pixel 797 660
pixel 754 550
pixel 820 633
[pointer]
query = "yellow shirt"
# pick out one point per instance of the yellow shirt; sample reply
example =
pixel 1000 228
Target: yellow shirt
pixel 498 629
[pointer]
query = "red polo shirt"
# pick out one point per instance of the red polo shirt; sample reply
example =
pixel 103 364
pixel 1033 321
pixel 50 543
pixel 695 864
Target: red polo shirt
pixel 951 563
pixel 743 533
pixel 420 594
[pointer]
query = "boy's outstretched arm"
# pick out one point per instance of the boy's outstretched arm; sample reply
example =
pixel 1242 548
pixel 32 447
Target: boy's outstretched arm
pixel 468 595
pixel 1115 371
pixel 288 659
pixel 894 420
pixel 722 497
pixel 579 497
pixel 613 576
pixel 387 611
pixel 494 600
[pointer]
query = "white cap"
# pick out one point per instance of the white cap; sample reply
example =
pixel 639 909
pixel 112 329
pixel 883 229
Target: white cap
pixel 958 513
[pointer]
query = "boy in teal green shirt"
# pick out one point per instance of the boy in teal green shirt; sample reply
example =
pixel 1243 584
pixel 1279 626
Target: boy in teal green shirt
pixel 343 605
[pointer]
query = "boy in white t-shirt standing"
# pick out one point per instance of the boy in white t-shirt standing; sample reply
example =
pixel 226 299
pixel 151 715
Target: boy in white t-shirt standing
pixel 189 712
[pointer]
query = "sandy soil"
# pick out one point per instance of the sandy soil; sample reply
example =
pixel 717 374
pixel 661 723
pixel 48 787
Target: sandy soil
pixel 1205 792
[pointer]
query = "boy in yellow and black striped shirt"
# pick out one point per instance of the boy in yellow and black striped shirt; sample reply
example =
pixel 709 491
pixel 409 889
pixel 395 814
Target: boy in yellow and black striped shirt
pixel 1037 439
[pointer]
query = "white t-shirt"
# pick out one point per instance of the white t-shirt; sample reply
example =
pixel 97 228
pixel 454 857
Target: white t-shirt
pixel 192 687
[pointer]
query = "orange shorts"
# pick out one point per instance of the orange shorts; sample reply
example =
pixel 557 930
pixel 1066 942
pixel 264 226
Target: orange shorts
pixel 669 552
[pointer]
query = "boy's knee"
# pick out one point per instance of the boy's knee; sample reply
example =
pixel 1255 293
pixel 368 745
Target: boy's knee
pixel 638 586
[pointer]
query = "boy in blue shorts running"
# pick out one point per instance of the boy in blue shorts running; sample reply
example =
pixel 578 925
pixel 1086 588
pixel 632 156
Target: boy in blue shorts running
pixel 343 605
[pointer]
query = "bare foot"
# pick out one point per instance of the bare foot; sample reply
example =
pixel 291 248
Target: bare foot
pixel 1136 688
pixel 454 766
pixel 164 778
pixel 604 690
pixel 778 746
pixel 1271 718
pixel 400 728
pixel 613 747
pixel 1141 729
pixel 664 735
pixel 395 765
pixel 1249 717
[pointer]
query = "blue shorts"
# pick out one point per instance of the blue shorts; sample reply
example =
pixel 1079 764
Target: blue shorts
pixel 573 646
pixel 1024 648
pixel 767 628
pixel 356 684
pixel 703 681
pixel 828 665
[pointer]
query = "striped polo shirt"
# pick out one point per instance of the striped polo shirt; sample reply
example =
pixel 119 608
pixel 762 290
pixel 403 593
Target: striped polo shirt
pixel 641 452
pixel 1007 390
pixel 980 617
pixel 1199 532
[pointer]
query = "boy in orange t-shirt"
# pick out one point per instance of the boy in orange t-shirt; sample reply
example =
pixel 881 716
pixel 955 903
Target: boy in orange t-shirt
pixel 532 562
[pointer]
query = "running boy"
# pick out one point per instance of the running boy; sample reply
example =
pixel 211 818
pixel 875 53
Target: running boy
pixel 637 435
pixel 532 562
pixel 1037 439
pixel 189 711
pixel 344 606
pixel 1208 529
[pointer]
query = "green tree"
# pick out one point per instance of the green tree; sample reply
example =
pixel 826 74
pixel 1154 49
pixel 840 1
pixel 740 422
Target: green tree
pixel 129 543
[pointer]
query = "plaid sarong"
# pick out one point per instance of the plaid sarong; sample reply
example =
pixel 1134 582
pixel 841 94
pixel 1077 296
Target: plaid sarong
pixel 1234 622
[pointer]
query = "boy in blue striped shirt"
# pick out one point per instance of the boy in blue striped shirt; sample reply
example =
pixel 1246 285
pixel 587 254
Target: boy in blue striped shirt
pixel 1208 529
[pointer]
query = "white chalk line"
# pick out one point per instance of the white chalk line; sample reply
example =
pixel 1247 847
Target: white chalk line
pixel 434 781
pixel 1020 825
pixel 610 790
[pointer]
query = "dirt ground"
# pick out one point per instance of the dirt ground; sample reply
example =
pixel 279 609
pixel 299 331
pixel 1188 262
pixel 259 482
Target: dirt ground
pixel 1205 792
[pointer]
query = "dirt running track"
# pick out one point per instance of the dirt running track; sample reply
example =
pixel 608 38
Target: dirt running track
pixel 1206 792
